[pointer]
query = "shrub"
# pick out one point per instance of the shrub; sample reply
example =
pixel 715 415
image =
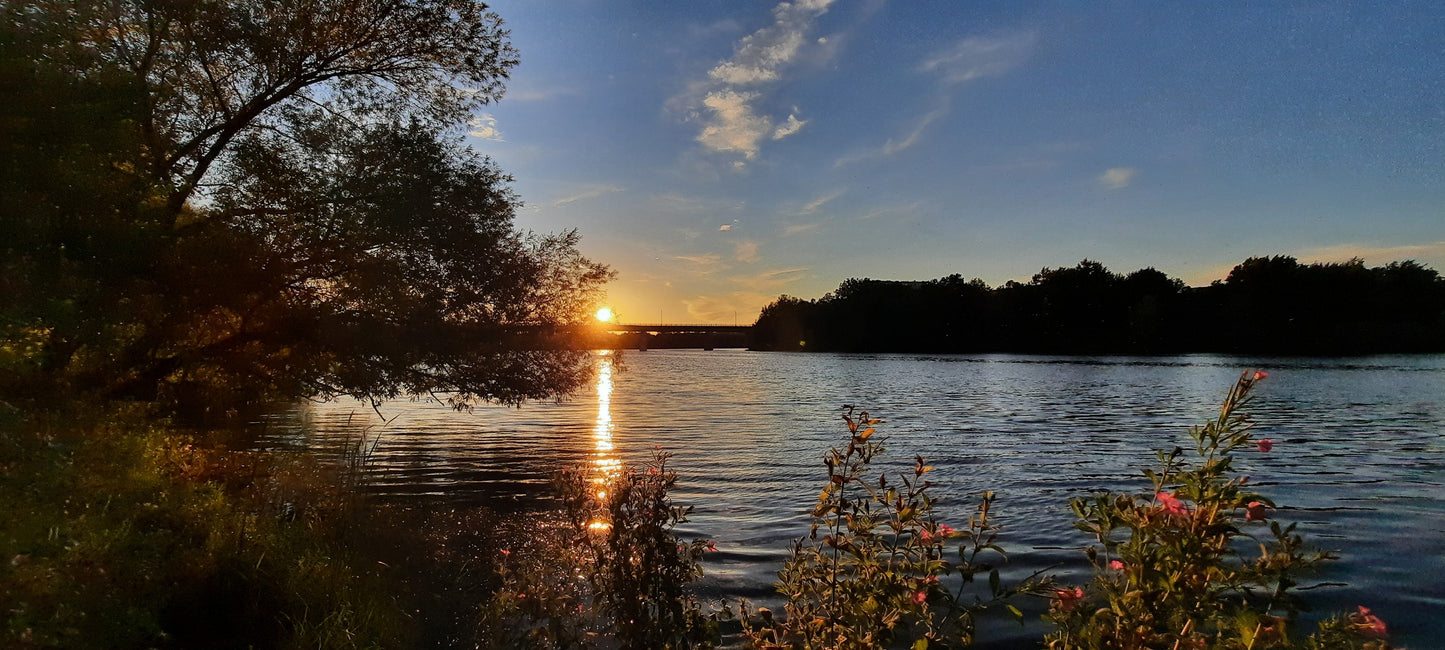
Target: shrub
pixel 874 576
pixel 612 568
pixel 1196 561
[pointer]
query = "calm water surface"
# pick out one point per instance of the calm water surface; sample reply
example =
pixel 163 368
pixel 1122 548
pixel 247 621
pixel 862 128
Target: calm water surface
pixel 1359 457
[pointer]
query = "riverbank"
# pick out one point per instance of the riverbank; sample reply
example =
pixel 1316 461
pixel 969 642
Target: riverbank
pixel 121 532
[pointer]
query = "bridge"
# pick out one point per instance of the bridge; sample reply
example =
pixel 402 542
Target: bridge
pixel 661 335
pixel 619 328
pixel 619 336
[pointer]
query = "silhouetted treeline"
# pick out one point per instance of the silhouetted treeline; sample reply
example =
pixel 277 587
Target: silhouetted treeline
pixel 1267 305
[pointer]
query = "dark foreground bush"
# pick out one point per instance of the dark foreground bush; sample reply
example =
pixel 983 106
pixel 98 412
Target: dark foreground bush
pixel 121 534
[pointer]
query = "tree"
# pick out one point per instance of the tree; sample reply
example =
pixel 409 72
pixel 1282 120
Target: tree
pixel 287 207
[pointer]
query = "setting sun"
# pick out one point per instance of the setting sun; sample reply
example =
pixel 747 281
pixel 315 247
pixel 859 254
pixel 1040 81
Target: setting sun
pixel 604 314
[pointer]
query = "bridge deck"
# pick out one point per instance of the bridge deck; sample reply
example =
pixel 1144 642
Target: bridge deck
pixel 676 329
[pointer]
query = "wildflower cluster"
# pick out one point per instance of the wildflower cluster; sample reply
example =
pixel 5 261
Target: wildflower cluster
pixel 1195 561
pixel 868 573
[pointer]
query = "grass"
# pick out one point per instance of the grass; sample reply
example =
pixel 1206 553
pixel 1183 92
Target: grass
pixel 122 533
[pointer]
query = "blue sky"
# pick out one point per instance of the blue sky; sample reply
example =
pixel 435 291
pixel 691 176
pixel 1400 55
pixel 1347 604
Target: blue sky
pixel 718 154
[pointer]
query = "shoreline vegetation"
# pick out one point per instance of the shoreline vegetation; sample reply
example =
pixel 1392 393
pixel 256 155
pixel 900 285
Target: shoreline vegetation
pixel 124 532
pixel 1266 306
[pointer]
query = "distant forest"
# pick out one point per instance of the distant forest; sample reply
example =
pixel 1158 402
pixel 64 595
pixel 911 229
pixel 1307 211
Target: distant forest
pixel 1267 305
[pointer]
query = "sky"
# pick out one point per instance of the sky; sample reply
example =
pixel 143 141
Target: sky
pixel 717 154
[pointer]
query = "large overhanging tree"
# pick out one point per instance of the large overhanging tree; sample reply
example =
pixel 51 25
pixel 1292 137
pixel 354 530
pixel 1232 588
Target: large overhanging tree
pixel 239 199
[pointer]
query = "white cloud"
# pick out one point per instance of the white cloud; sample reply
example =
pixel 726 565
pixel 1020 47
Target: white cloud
pixel 746 251
pixel 788 127
pixel 725 227
pixel 484 126
pixel 799 228
pixel 725 101
pixel 587 192
pixel 759 57
pixel 1117 177
pixel 981 56
pixel 734 125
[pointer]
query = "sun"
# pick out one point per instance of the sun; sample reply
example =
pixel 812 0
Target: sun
pixel 604 314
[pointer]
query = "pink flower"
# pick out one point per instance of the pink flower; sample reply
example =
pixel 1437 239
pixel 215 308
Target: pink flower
pixel 919 597
pixel 1264 444
pixel 1171 504
pixel 924 537
pixel 1115 565
pixel 945 529
pixel 710 546
pixel 506 552
pixel 1260 374
pixel 1069 598
pixel 652 471
pixel 1368 624
pixel 1254 511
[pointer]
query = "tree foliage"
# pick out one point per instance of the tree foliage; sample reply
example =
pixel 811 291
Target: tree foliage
pixel 220 201
pixel 1267 305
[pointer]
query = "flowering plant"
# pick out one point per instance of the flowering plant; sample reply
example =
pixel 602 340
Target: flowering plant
pixel 872 568
pixel 1195 562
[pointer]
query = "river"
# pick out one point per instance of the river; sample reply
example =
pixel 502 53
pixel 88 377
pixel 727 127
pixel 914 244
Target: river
pixel 1358 461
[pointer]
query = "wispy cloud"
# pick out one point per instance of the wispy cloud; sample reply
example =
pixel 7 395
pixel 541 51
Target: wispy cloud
pixel 696 205
pixel 812 206
pixel 539 94
pixel 1432 253
pixel 981 56
pixel 725 102
pixel 742 305
pixel 904 209
pixel 739 306
pixel 484 126
pixel 760 57
pixel 587 192
pixel 710 259
pixel 772 280
pixel 800 228
pixel 1117 177
pixel 746 252
pixel 895 145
